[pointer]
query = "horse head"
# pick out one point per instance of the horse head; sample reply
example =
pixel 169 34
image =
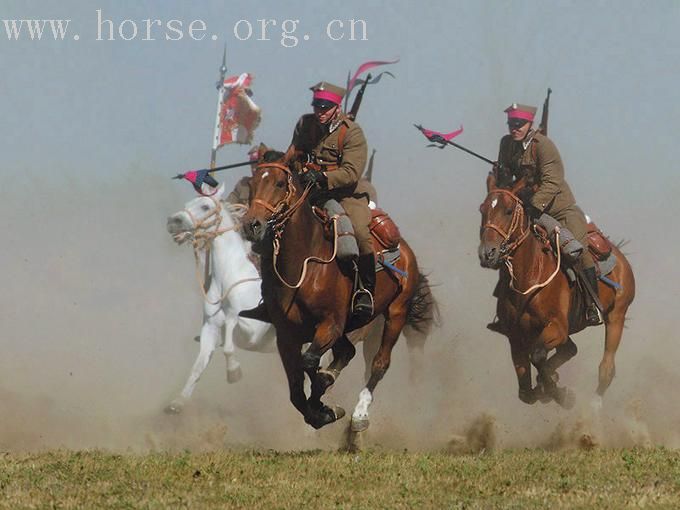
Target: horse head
pixel 274 197
pixel 201 214
pixel 504 224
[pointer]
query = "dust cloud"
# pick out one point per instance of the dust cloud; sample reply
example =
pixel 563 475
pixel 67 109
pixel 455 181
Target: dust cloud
pixel 99 309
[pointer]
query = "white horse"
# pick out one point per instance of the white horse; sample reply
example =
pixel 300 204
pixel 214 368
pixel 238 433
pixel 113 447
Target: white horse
pixel 234 286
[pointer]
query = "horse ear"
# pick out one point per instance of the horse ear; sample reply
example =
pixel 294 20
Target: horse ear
pixel 261 150
pixel 521 183
pixel 219 192
pixel 491 182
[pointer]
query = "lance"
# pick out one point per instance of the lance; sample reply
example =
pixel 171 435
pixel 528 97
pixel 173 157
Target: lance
pixel 543 127
pixel 358 98
pixel 220 91
pixel 198 177
pixel 441 140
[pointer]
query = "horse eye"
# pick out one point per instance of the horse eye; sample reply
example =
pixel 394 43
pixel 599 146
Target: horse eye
pixel 509 210
pixel 205 207
pixel 280 184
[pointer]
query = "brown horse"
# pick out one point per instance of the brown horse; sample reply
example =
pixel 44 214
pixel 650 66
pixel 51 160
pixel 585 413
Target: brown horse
pixel 307 294
pixel 535 295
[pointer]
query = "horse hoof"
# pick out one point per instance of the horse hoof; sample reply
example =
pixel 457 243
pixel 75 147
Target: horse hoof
pixel 359 424
pixel 325 416
pixel 528 396
pixel 234 375
pixel 325 379
pixel 174 407
pixel 339 412
pixel 596 404
pixel 565 397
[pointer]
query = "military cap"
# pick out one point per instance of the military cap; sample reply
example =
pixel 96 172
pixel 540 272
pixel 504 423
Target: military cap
pixel 324 91
pixel 521 111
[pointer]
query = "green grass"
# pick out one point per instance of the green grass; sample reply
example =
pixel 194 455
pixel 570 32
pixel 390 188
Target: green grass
pixel 374 479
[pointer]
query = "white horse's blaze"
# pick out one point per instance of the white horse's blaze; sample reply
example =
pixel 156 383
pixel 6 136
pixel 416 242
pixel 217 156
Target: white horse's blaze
pixel 266 174
pixel 494 203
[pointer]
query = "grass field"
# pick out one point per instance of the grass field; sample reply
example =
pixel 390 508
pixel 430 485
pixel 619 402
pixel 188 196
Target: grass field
pixel 596 478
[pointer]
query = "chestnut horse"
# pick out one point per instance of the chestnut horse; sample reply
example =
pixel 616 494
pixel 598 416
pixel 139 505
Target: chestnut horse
pixel 307 294
pixel 534 296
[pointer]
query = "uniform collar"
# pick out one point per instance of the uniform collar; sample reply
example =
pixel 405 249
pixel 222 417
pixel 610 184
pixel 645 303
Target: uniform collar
pixel 529 138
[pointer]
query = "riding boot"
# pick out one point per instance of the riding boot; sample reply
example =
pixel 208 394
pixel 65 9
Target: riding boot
pixel 363 297
pixel 593 313
pixel 259 313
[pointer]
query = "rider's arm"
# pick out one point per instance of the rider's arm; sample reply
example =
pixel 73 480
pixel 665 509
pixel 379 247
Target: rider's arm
pixel 354 155
pixel 551 173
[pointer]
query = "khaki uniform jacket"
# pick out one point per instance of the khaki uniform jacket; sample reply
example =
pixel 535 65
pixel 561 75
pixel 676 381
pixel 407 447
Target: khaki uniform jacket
pixel 314 139
pixel 241 192
pixel 540 161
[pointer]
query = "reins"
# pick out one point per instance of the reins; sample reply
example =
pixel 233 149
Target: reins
pixel 518 221
pixel 284 211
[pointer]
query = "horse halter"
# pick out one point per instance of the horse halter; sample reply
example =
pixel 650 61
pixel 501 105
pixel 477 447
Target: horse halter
pixel 517 222
pixel 202 236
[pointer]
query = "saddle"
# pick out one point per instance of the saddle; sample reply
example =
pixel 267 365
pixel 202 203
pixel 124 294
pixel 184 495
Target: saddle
pixel 599 246
pixel 384 230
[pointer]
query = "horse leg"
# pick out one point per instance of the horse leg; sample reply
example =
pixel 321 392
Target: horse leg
pixel 343 352
pixel 613 333
pixel 520 360
pixel 289 352
pixel 395 319
pixel 563 353
pixel 547 377
pixel 326 335
pixel 209 338
pixel 315 413
pixel 233 366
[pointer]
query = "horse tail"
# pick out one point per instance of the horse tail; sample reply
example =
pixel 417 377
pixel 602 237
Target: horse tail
pixel 423 309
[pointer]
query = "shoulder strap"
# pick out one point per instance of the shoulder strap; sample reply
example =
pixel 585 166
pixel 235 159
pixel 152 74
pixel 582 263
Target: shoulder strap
pixel 341 141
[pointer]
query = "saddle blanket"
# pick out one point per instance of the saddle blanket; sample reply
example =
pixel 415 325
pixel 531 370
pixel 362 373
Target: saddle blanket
pixel 386 257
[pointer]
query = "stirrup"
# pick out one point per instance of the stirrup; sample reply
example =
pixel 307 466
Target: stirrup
pixel 593 315
pixel 358 306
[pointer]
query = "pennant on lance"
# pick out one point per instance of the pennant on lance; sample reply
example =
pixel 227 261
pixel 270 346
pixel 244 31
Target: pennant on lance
pixel 354 81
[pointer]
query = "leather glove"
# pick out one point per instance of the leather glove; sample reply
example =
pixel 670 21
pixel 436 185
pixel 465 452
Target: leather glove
pixel 316 179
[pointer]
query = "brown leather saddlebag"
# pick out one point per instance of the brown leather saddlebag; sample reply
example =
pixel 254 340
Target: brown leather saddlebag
pixel 598 244
pixel 384 229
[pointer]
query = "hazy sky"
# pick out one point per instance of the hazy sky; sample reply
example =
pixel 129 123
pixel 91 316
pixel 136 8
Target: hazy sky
pixel 93 130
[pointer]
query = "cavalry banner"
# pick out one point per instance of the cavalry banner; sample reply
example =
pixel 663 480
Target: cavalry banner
pixel 237 116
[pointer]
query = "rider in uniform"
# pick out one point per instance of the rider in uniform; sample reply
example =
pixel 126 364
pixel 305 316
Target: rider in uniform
pixel 241 191
pixel 332 152
pixel 526 152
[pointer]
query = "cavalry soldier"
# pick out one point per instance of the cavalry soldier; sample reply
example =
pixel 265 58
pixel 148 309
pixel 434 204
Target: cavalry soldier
pixel 332 151
pixel 241 191
pixel 526 152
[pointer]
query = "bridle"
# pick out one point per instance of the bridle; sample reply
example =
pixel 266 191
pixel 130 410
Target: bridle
pixel 285 208
pixel 519 221
pixel 281 213
pixel 202 237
